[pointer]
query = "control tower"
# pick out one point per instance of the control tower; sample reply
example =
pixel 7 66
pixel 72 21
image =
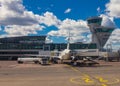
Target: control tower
pixel 100 34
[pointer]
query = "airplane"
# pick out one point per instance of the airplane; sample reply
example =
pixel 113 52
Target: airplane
pixel 66 54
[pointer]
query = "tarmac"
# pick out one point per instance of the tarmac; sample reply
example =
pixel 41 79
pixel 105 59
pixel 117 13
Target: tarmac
pixel 30 74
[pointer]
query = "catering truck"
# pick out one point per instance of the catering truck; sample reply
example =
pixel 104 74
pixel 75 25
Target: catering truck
pixel 42 60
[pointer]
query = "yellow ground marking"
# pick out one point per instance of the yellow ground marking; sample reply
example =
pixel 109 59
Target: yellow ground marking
pixel 87 79
pixel 102 80
pixel 103 85
pixel 76 70
pixel 107 81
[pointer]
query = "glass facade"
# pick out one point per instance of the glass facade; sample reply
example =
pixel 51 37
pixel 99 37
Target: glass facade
pixel 31 42
pixel 95 20
pixel 33 45
pixel 24 42
pixel 21 46
pixel 46 46
pixel 15 52
pixel 108 30
pixel 24 39
pixel 73 46
pixel 21 43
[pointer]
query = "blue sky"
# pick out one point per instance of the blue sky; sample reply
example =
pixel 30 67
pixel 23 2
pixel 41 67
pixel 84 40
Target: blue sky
pixel 55 18
pixel 80 9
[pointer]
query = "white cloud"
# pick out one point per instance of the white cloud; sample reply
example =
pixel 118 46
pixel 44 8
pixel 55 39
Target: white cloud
pixel 49 19
pixel 115 39
pixel 98 9
pixel 17 30
pixel 107 21
pixel 77 29
pixel 113 8
pixel 19 21
pixel 23 30
pixel 14 13
pixel 67 10
pixel 48 40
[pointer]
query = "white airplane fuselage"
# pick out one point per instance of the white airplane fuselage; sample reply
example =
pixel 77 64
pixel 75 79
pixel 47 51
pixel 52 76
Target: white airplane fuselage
pixel 65 54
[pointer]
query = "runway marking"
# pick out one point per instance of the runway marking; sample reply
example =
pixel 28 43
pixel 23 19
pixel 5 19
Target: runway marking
pixel 88 80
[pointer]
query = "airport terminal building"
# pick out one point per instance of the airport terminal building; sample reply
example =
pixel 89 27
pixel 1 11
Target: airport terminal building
pixel 32 46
